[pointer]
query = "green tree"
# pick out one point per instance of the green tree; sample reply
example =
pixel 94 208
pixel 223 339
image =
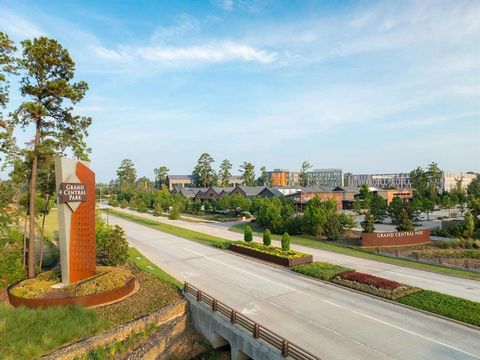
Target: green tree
pixel 48 71
pixel 247 171
pixel 378 208
pixel 286 242
pixel 428 206
pixel 404 222
pixel 304 173
pixel 263 179
pixel 368 224
pixel 203 172
pixel 174 213
pixel 248 235
pixel 126 175
pixel 225 173
pixel 473 189
pixel 115 248
pixel 267 237
pixel 7 65
pixel 468 225
pixel 160 176
pixel 365 196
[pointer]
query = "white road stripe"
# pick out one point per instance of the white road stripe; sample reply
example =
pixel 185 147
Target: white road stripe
pixel 246 272
pixel 402 329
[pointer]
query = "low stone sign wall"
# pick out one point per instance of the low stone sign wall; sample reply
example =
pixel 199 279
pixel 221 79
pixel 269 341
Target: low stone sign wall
pixel 380 239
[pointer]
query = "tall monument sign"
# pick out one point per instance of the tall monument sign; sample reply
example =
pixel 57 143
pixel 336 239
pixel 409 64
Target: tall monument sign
pixel 76 218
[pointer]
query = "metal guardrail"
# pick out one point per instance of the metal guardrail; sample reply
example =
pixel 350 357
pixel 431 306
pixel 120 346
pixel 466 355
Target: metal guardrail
pixel 286 348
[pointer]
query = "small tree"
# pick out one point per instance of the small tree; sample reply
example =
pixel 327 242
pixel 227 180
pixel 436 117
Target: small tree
pixel 267 237
pixel 368 223
pixel 468 225
pixel 404 222
pixel 115 247
pixel 248 236
pixel 286 242
pixel 174 213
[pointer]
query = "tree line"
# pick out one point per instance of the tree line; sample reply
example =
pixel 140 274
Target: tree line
pixel 44 72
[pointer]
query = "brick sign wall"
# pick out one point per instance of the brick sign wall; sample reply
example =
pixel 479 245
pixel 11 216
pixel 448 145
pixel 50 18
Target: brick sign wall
pixel 396 238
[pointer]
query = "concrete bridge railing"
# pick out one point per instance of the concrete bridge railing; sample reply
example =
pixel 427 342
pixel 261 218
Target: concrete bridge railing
pixel 219 323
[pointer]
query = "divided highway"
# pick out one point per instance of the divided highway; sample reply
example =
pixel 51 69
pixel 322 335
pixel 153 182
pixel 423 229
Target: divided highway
pixel 332 322
pixel 465 288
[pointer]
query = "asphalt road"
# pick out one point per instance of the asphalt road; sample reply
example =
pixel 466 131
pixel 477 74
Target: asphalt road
pixel 332 322
pixel 465 288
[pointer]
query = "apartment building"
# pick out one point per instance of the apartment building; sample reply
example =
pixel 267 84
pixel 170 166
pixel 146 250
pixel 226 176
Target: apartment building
pixel 400 181
pixel 449 180
pixel 283 177
pixel 325 177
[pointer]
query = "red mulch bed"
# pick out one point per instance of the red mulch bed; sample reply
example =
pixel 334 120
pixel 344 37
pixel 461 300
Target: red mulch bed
pixel 378 282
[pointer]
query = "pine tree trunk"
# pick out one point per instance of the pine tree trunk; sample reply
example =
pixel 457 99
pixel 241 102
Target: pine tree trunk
pixel 42 237
pixel 25 240
pixel 33 183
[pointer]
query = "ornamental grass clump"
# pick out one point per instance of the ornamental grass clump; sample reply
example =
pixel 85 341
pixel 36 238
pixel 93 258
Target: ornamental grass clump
pixel 267 237
pixel 248 235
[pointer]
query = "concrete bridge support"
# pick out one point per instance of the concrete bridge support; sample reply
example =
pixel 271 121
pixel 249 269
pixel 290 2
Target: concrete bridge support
pixel 219 331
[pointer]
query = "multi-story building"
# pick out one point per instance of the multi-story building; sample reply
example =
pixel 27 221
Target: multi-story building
pixel 398 181
pixel 283 177
pixel 450 179
pixel 325 177
pixel 189 181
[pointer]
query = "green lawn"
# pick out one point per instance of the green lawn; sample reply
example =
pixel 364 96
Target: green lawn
pixel 174 230
pixel 146 265
pixel 323 245
pixel 30 333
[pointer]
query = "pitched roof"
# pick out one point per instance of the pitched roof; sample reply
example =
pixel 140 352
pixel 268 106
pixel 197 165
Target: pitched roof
pixel 346 189
pixel 251 190
pixel 180 177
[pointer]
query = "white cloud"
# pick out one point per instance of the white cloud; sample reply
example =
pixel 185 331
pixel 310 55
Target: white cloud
pixel 17 26
pixel 215 52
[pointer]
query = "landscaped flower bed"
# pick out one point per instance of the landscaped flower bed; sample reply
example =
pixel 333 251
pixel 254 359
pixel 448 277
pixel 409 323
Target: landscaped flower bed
pixel 271 253
pixel 374 285
pixel 321 270
pixel 107 285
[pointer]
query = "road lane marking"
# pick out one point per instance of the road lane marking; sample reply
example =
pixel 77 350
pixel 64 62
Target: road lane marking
pixel 246 272
pixel 402 329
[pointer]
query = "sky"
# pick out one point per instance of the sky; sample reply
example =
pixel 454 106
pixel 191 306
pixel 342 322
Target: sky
pixel 366 86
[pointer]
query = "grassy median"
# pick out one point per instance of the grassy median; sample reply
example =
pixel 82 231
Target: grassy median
pixel 144 264
pixel 323 245
pixel 173 230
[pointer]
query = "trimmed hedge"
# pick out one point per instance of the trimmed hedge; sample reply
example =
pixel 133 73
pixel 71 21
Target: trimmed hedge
pixel 321 270
pixel 272 250
pixel 446 305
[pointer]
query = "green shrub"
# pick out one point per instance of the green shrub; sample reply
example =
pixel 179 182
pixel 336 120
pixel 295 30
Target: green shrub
pixel 267 237
pixel 11 265
pixel 445 305
pixel 174 213
pixel 248 235
pixel 272 250
pixel 286 242
pixel 115 248
pixel 321 270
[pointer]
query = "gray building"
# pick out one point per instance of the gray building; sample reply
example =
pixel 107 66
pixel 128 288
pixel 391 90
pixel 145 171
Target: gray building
pixel 326 177
pixel 400 181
